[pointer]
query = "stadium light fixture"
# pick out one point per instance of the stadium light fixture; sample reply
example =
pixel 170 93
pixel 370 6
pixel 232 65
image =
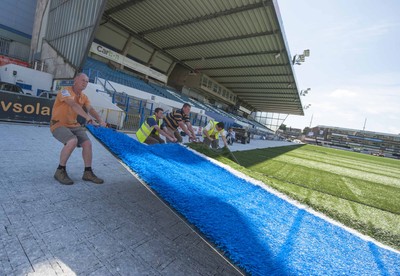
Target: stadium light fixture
pixel 304 92
pixel 298 59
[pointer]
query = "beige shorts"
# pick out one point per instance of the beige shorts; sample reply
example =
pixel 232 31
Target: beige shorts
pixel 64 134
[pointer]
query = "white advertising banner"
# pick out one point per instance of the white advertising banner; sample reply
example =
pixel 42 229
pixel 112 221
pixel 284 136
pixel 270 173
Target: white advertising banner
pixel 118 58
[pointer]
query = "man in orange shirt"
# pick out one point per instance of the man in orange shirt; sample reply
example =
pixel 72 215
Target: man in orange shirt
pixel 65 128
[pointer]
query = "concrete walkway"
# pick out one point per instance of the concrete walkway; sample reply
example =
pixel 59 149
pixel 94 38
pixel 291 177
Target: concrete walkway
pixel 118 228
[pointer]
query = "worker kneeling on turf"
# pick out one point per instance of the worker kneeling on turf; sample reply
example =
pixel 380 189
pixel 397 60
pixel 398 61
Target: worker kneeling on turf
pixel 149 132
pixel 212 132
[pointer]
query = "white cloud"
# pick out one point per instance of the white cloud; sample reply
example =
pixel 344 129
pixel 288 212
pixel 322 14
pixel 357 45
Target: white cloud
pixel 343 93
pixel 367 32
pixel 380 80
pixel 353 29
pixel 349 107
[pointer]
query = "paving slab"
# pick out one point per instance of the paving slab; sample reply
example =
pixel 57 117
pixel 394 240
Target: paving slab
pixel 118 228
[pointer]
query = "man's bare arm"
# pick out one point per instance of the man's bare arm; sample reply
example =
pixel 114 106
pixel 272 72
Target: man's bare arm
pixel 205 131
pixel 77 108
pixel 189 126
pixel 96 115
pixel 185 128
pixel 224 140
pixel 165 133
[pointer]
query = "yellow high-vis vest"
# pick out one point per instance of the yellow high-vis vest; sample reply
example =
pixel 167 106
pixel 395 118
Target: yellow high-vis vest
pixel 145 130
pixel 213 130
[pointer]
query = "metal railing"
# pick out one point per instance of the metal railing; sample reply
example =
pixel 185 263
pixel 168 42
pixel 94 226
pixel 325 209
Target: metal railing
pixel 136 109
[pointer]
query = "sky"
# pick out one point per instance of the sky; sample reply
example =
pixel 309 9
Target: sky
pixel 354 65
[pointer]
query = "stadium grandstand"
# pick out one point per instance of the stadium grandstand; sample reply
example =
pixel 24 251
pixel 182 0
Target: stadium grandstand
pixel 370 142
pixel 229 61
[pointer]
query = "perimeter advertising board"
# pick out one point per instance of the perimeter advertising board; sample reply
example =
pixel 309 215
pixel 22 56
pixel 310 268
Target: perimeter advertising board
pixel 24 108
pixel 118 58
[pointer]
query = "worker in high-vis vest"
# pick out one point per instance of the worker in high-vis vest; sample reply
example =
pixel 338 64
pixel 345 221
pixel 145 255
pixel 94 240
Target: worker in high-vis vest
pixel 152 127
pixel 212 132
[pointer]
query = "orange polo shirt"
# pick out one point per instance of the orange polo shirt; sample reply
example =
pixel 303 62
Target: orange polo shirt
pixel 63 114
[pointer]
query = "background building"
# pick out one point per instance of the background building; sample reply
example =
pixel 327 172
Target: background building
pixel 356 140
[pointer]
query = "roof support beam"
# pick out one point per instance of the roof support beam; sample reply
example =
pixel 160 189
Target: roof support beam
pixel 259 88
pixel 275 32
pixel 258 103
pixel 271 101
pixel 266 82
pixel 242 75
pixel 244 67
pixel 277 109
pixel 131 33
pixel 261 94
pixel 122 6
pixel 234 55
pixel 268 96
pixel 207 17
pixel 282 108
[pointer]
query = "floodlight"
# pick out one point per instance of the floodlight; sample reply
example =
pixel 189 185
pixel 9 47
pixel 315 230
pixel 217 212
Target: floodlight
pixel 304 92
pixel 297 59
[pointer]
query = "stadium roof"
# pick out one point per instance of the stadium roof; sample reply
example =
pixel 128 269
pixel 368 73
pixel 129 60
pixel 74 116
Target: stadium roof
pixel 240 44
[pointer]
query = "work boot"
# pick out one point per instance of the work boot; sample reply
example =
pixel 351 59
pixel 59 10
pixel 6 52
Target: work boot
pixel 90 176
pixel 62 177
